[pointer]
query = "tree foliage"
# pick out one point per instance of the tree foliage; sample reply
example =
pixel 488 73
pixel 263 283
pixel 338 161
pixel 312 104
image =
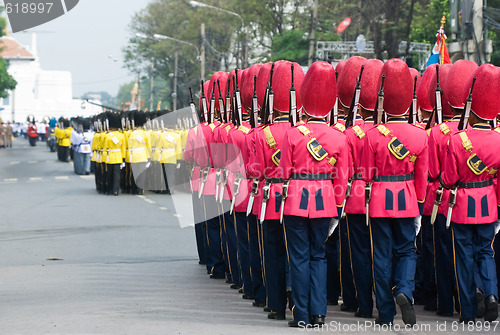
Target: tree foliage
pixel 7 82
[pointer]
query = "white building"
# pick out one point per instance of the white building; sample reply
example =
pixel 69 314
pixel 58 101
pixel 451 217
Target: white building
pixel 38 92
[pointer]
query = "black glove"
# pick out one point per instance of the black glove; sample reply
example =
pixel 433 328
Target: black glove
pixel 339 212
pixel 421 208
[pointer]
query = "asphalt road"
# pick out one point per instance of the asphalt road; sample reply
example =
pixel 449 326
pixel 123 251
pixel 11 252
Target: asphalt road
pixel 125 265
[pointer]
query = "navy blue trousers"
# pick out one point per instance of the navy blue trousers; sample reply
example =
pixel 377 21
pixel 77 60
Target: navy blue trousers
pixel 275 264
pixel 199 221
pixel 359 234
pixel 394 262
pixel 346 277
pixel 231 243
pixel 254 248
pixel 215 258
pixel 306 251
pixel 473 244
pixel 496 248
pixel 332 254
pixel 446 284
pixel 243 252
pixel 428 286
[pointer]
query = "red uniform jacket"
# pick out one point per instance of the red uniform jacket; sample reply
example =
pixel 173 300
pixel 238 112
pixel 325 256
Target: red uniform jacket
pixel 474 205
pixel 189 153
pixel 252 168
pixel 438 149
pixel 265 166
pixel 356 136
pixel 204 158
pixel 396 199
pixel 238 160
pixel 314 198
pixel 219 150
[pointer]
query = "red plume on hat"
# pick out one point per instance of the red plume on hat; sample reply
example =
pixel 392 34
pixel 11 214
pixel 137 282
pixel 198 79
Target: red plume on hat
pixel 262 81
pixel 319 89
pixel 459 73
pixel 444 70
pixel 282 81
pixel 369 88
pixel 247 85
pixel 398 87
pixel 340 66
pixel 348 78
pixel 485 92
pixel 423 89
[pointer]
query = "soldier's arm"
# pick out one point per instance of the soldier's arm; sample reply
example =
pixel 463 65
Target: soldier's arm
pixel 341 174
pixel 434 162
pixel 286 164
pixel 367 166
pixel 421 171
pixel 450 169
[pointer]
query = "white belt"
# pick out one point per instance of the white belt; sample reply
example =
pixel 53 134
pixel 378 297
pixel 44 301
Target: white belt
pixel 114 150
pixel 135 149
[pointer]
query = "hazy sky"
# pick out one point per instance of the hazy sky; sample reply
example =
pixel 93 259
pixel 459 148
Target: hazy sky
pixel 82 40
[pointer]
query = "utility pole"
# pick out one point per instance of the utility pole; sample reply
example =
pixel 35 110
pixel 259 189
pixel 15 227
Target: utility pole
pixel 313 33
pixel 151 97
pixel 203 51
pixel 175 80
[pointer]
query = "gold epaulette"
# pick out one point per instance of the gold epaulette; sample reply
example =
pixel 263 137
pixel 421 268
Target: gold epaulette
pixel 212 126
pixel 244 129
pixel 359 132
pixel 228 128
pixel 497 130
pixel 340 126
pixel 304 130
pixel 465 141
pixel 444 128
pixel 383 130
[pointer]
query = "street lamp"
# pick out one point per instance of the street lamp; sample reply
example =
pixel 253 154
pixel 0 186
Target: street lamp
pixel 244 55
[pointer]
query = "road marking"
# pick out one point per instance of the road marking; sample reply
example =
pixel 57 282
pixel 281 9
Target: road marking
pixel 15 163
pixel 177 215
pixel 36 179
pixel 10 180
pixel 150 201
pixel 87 177
pixel 50 161
pixel 163 208
pixel 32 162
pixel 61 178
pixel 141 196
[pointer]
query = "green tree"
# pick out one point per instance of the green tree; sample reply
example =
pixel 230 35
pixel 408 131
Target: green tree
pixel 7 82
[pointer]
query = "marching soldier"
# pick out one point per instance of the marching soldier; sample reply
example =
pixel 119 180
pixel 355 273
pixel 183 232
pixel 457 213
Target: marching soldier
pixel 452 85
pixel 114 149
pixel 348 86
pixel 395 164
pixel 268 152
pixel 313 158
pixel 470 165
pixel 358 233
pixel 139 149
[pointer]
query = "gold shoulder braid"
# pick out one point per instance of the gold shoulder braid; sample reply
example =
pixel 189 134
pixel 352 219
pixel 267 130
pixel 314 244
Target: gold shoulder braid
pixel 315 148
pixel 444 128
pixel 244 129
pixel 271 142
pixel 395 146
pixel 358 131
pixel 474 162
pixel 340 126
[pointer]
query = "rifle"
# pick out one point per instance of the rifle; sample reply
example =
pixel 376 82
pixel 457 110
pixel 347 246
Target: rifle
pixel 237 94
pixel 334 114
pixel 228 101
pixel 293 103
pixel 212 104
pixel 194 113
pixel 221 104
pixel 464 119
pixel 269 108
pixel 255 109
pixel 204 104
pixel 353 109
pixel 412 117
pixel 437 112
pixel 379 108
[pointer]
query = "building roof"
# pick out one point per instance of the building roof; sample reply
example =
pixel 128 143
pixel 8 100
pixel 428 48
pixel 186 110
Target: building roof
pixel 11 49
